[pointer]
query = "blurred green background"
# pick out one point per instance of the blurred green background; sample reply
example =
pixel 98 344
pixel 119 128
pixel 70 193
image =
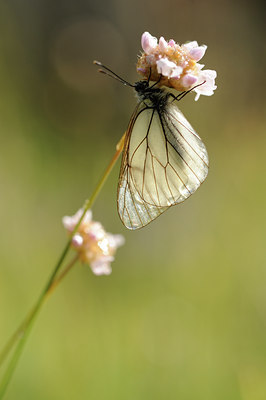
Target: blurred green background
pixel 183 315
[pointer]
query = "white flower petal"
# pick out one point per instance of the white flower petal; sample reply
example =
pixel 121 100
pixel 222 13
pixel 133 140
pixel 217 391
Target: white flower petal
pixel 188 80
pixel 171 43
pixel 200 66
pixel 67 222
pixel 168 68
pixel 209 86
pixel 190 45
pixel 197 97
pixel 77 240
pixel 115 241
pixel 104 246
pixel 198 52
pixel 148 42
pixel 70 222
pixel 87 217
pixel 163 44
pixel 102 266
pixel 95 231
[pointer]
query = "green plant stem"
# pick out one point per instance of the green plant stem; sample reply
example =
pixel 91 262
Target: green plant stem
pixel 19 332
pixel 25 328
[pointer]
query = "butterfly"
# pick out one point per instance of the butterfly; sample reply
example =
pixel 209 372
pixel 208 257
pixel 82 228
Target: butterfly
pixel 164 160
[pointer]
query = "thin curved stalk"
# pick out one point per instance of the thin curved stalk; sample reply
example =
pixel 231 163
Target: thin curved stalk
pixel 24 330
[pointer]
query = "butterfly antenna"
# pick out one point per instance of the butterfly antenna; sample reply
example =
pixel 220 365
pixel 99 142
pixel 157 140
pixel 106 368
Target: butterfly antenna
pixel 109 72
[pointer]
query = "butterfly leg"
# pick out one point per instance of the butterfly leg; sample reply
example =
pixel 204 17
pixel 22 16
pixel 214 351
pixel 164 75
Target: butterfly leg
pixel 183 94
pixel 156 83
pixel 180 95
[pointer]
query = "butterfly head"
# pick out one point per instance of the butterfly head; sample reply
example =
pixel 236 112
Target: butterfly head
pixel 141 86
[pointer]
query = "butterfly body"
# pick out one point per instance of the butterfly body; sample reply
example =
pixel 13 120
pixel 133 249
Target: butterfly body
pixel 164 160
pixel 155 96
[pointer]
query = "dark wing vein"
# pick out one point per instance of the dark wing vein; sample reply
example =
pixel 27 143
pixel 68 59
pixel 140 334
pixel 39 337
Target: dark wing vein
pixel 191 132
pixel 177 149
pixel 163 163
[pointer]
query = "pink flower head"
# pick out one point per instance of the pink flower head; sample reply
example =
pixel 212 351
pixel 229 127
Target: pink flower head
pixel 175 66
pixel 94 245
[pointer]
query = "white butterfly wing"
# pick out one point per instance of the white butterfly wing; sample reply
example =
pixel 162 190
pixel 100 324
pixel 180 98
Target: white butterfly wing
pixel 164 162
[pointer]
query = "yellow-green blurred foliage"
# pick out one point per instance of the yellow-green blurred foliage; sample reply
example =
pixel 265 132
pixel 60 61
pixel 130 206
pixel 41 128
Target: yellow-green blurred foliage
pixel 183 316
